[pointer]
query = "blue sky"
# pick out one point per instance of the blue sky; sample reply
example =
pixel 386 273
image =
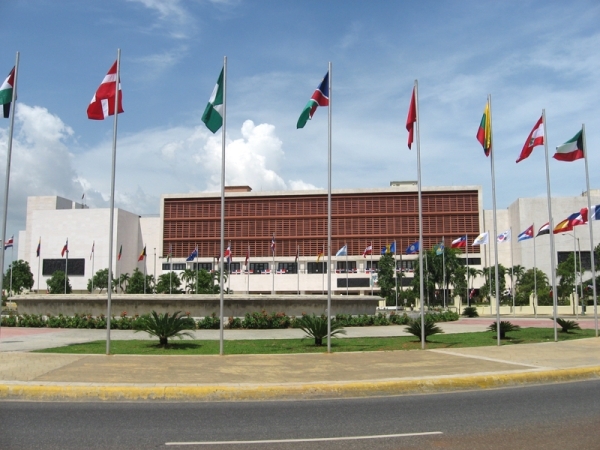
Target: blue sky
pixel 528 55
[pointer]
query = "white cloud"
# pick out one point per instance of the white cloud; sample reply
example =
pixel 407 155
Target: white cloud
pixel 171 15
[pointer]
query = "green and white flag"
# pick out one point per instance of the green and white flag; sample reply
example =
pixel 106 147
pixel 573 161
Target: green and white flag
pixel 6 92
pixel 213 114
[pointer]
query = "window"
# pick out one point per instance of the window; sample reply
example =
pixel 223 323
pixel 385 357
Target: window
pixel 76 266
pixel 233 267
pixel 341 266
pixel 317 267
pixel 258 267
pixel 472 261
pixel 287 267
pixel 407 265
pixel 174 266
pixel 202 266
pixel 372 265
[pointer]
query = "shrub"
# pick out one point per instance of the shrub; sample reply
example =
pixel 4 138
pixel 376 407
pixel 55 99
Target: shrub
pixel 234 322
pixel 32 321
pixel 211 322
pixel 414 328
pixel 567 325
pixel 399 319
pixel 505 327
pixel 316 327
pixel 164 326
pixel 470 311
pixel 262 320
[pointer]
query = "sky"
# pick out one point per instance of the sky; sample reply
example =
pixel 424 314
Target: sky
pixel 528 55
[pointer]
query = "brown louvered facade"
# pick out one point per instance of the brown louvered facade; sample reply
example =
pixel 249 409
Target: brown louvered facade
pixel 299 221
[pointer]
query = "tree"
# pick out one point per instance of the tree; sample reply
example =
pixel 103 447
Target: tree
pixel 136 282
pixel 22 278
pixel 492 282
pixel 168 283
pixel 566 285
pixel 124 281
pixel 100 280
pixel 56 283
pixel 527 284
pixel 386 280
pixel 446 263
pixel 208 282
pixel 188 276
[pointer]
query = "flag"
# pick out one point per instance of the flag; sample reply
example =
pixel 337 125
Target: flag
pixel 297 254
pixel 393 247
pixel 459 242
pixel 484 133
pixel 412 248
pixel 273 245
pixel 535 138
pixel 504 237
pixel 93 245
pixel 103 102
pixel 472 293
pixel 439 248
pixel 595 213
pixel 120 253
pixel 581 218
pixel 319 98
pixel 527 234
pixel 170 252
pixel 194 254
pixel 227 255
pixel 320 255
pixel 6 92
pixel 142 255
pixel 39 248
pixel 566 225
pixel 571 150
pixel 386 249
pixel 342 251
pixel 213 113
pixel 368 250
pixel 9 243
pixel 65 249
pixel 411 119
pixel 247 257
pixel 482 239
pixel 544 229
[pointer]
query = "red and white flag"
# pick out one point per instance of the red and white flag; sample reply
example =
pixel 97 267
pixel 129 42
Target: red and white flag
pixel 411 119
pixel 103 103
pixel 368 250
pixel 535 138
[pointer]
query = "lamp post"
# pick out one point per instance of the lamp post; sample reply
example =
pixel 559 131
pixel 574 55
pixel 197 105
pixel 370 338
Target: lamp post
pixel 575 246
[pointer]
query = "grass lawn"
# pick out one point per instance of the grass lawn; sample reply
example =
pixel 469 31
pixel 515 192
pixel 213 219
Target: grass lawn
pixel 274 346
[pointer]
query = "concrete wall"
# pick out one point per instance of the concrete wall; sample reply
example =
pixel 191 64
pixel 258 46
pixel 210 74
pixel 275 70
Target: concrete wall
pixel 197 305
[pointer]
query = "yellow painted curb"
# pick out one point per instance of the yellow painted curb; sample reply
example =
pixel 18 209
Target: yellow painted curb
pixel 56 392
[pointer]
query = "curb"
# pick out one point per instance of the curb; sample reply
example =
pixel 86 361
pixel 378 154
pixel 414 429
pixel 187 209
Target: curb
pixel 305 391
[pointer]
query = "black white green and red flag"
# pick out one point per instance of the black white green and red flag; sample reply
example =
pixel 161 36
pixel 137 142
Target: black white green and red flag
pixel 571 150
pixel 319 98
pixel 6 92
pixel 103 102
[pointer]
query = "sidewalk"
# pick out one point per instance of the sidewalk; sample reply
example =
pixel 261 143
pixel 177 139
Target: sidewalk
pixel 35 376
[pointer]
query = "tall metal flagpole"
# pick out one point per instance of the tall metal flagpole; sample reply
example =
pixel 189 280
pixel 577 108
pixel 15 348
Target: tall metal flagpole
pixel 551 227
pixel 67 266
pixel 7 178
pixel 39 258
pixel 371 271
pixel 346 245
pixel 534 278
pixel 467 261
pixel 112 203
pixel 575 294
pixel 221 267
pixel 512 265
pixel 93 260
pixel 329 215
pixel 444 273
pixel 418 124
pixel 495 225
pixel 587 180
pixel 298 267
pixel 273 270
pixel 396 274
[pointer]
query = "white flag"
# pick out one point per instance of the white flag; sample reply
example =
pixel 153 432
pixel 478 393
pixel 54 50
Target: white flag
pixel 504 237
pixel 482 239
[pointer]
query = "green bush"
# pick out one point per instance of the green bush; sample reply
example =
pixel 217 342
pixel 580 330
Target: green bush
pixel 567 325
pixel 470 311
pixel 10 321
pixel 31 320
pixel 234 323
pixel 505 327
pixel 414 328
pixel 211 322
pixel 316 327
pixel 164 326
pixel 263 321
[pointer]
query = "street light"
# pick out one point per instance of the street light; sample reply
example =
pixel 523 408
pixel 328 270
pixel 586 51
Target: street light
pixel 575 250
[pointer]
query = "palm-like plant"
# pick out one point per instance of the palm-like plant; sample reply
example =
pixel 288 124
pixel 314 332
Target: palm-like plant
pixel 470 311
pixel 567 325
pixel 164 326
pixel 414 328
pixel 188 276
pixel 505 327
pixel 316 327
pixel 123 281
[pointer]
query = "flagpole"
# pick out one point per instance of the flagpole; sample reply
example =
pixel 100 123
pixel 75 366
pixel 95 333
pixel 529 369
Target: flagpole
pixel 418 123
pixel 467 261
pixel 273 271
pixel 495 224
pixel 444 273
pixel 144 263
pixel 197 269
pixel 298 267
pixel 228 267
pixel 396 273
pixel 93 260
pixel 512 279
pixel 575 293
pixel 39 258
pixel 7 178
pixel 12 261
pixel 534 279
pixel 371 271
pixel 112 202
pixel 551 227
pixel 67 266
pixel 587 180
pixel 221 299
pixel 346 245
pixel 329 212
pixel 323 270
pixel 248 269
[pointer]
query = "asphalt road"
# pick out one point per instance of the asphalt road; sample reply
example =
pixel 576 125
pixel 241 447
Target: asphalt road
pixel 555 416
